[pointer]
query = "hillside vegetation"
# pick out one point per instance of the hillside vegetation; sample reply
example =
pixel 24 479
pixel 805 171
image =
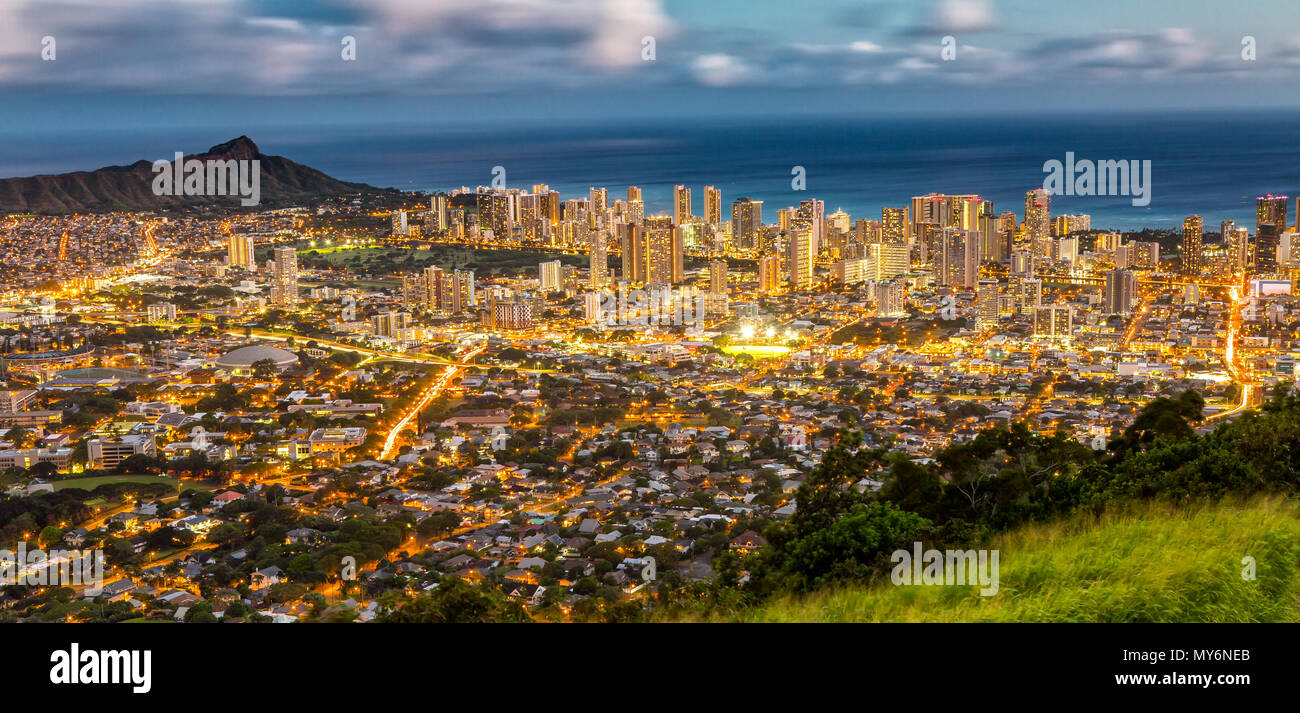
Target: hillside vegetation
pixel 1147 563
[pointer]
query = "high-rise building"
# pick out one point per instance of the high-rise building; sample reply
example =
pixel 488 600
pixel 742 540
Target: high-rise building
pixel 599 264
pixel 1038 218
pixel 1238 240
pixel 811 215
pixel 1270 223
pixel 889 299
pixel 631 243
pixel 891 259
pixel 958 262
pixel 663 250
pixel 712 206
pixel 1193 245
pixel 241 252
pixel 799 260
pixel 548 276
pixel 399 223
pixel 389 324
pixel 1121 292
pixel 284 278
pixel 718 277
pixel 1054 322
pixel 633 194
pixel 746 222
pixel 681 205
pixel 438 219
pixel 769 274
pixel 496 212
pixel 987 296
pixel 893 225
pixel 854 270
pixel 599 198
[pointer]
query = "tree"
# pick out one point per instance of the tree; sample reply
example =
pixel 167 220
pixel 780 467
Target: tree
pixel 454 601
pixel 265 369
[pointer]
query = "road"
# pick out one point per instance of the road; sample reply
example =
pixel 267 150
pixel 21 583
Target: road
pixel 438 385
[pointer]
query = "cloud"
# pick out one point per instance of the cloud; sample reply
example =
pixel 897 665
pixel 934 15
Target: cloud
pixel 960 16
pixel 720 70
pixel 536 47
pixel 270 46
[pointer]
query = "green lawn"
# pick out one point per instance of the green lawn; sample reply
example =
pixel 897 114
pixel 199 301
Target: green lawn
pixel 95 481
pixel 1153 563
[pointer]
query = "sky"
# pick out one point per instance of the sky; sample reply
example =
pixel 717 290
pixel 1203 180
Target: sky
pixel 169 63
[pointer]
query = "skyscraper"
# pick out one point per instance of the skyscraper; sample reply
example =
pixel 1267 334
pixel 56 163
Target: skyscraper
pixel 811 214
pixel 241 252
pixel 1193 245
pixel 769 274
pixel 746 221
pixel 548 276
pixel 800 258
pixel 631 243
pixel 599 264
pixel 1121 291
pixel 1038 220
pixel 718 277
pixel 1270 223
pixel 889 299
pixel 988 302
pixel 893 225
pixel 663 250
pixel 712 206
pixel 438 204
pixel 1054 322
pixel 681 205
pixel 284 279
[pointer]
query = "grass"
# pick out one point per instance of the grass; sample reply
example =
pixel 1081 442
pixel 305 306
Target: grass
pixel 1149 563
pixel 95 481
pixel 758 351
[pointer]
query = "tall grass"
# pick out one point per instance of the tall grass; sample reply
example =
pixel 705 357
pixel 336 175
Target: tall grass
pixel 1146 563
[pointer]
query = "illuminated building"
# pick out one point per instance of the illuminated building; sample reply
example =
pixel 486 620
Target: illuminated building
pixel 718 277
pixel 889 299
pixel 893 224
pixel 769 274
pixel 712 206
pixel 799 260
pixel 1038 216
pixel 284 278
pixel 663 251
pixel 681 204
pixel 1193 245
pixel 599 264
pixel 548 276
pixel 746 221
pixel 987 296
pixel 1270 223
pixel 1121 292
pixel 241 252
pixel 1055 322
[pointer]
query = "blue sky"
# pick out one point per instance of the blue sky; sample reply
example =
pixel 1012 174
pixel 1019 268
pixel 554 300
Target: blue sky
pixel 134 63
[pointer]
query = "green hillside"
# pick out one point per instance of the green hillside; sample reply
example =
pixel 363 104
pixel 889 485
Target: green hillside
pixel 1153 563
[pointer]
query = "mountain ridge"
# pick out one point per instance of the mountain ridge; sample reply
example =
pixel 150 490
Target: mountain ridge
pixel 129 187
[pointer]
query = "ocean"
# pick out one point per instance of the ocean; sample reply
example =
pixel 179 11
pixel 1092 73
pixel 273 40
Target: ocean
pixel 1209 163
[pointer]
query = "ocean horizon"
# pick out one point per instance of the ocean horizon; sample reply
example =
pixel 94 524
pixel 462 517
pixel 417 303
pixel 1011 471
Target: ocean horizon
pixel 1209 163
